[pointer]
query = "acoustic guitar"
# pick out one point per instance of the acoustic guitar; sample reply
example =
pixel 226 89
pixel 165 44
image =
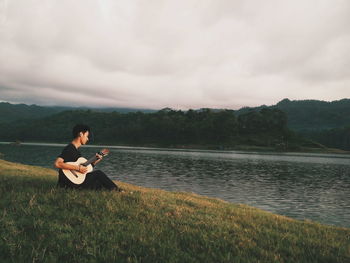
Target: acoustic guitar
pixel 78 177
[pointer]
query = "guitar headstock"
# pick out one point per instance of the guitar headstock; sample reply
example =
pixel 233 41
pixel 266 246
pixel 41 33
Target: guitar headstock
pixel 104 152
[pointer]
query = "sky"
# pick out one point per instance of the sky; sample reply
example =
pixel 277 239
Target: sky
pixel 181 54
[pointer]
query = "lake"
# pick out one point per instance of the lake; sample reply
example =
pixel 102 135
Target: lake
pixel 299 185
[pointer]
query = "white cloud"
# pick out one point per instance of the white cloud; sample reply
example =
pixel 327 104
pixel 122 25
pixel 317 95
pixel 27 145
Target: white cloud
pixel 181 54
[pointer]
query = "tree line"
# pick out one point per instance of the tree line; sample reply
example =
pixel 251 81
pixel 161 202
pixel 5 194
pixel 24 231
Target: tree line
pixel 167 127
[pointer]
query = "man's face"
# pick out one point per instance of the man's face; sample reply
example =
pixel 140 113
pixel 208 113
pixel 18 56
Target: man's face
pixel 84 138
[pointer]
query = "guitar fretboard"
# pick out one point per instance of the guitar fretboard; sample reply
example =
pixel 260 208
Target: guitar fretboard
pixel 93 159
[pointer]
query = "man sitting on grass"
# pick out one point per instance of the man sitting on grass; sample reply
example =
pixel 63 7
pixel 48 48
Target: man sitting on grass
pixel 93 180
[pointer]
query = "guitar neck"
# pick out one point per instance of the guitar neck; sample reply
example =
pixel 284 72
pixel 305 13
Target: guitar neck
pixel 90 161
pixel 95 158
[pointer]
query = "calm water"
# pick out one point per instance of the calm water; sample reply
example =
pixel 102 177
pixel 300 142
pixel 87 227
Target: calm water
pixel 301 186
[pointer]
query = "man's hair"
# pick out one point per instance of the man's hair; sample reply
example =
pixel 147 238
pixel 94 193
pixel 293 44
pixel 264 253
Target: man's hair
pixel 80 128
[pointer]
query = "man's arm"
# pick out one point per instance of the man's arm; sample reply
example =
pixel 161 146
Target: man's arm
pixel 60 164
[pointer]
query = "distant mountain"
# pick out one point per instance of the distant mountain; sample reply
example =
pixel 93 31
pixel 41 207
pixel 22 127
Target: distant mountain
pixel 311 115
pixel 15 112
pixel 120 110
pixel 303 115
pixel 325 122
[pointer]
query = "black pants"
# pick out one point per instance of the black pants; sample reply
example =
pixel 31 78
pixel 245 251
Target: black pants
pixel 98 180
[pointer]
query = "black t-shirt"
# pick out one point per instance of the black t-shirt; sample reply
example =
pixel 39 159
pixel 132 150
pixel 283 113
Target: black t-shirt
pixel 69 154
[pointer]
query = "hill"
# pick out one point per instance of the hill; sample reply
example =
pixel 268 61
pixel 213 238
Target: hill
pixel 302 115
pixel 306 115
pixel 320 121
pixel 42 223
pixel 18 112
pixel 311 115
pixel 325 122
pixel 14 112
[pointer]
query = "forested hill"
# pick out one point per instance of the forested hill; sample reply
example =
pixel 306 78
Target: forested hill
pixel 312 115
pixel 316 115
pixel 15 112
pixel 302 115
pixel 325 122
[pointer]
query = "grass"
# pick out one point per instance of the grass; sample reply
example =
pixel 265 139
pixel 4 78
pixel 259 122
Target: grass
pixel 42 223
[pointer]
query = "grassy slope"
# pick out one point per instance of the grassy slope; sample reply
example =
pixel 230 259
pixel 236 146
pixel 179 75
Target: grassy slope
pixel 41 223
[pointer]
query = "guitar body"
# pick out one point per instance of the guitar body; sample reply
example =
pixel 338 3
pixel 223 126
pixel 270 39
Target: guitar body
pixel 75 176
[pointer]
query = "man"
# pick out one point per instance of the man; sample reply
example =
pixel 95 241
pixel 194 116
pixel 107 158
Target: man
pixel 95 179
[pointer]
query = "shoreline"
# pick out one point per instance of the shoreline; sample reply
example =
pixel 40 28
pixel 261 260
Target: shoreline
pixel 245 149
pixel 54 173
pixel 49 224
pixel 280 203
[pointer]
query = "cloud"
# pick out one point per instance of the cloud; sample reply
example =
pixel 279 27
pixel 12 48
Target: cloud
pixel 181 54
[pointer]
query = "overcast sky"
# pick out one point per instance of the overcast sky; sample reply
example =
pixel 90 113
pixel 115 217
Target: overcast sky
pixel 181 54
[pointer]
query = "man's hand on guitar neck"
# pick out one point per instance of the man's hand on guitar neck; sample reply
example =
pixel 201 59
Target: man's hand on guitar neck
pixel 99 158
